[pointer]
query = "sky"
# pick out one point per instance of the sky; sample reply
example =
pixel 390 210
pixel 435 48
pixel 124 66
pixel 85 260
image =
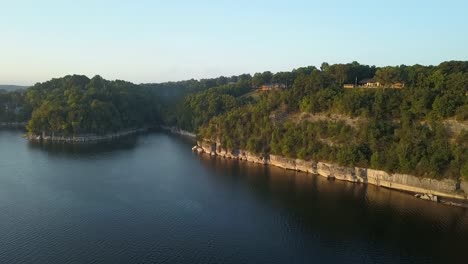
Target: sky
pixel 156 41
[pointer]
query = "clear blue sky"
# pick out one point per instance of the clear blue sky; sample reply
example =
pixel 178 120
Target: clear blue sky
pixel 154 41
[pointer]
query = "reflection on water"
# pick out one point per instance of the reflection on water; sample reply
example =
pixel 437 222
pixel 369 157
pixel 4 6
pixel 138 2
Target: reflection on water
pixel 149 199
pixel 345 211
pixel 60 148
pixel 126 143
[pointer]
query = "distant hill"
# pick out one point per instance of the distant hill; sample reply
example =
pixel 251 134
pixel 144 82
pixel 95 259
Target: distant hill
pixel 10 88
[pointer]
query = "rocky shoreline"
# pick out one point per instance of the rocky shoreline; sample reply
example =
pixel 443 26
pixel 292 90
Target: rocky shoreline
pixel 177 131
pixel 446 191
pixel 81 139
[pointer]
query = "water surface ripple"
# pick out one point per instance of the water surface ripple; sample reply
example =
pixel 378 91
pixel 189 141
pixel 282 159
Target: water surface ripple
pixel 149 199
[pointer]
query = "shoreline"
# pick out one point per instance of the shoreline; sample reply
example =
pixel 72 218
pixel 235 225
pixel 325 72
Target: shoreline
pixel 177 131
pixel 445 191
pixel 83 139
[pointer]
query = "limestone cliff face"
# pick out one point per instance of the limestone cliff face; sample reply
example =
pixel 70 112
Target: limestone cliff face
pixel 78 139
pixel 252 157
pixel 464 186
pixel 285 163
pixel 306 166
pixel 446 187
pixel 206 147
pixel 341 173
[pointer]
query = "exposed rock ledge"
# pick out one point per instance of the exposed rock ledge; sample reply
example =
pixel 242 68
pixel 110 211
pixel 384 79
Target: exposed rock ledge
pixel 79 139
pixel 429 187
pixel 178 131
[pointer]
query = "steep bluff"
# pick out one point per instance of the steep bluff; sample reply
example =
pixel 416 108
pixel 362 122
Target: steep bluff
pixel 445 188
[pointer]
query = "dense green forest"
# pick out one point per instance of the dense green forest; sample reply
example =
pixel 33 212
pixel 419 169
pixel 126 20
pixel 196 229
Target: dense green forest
pixel 397 130
pixel 190 110
pixel 195 110
pixel 174 91
pixel 420 129
pixel 78 105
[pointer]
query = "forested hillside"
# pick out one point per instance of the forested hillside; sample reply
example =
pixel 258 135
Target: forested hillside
pixel 197 109
pixel 78 105
pixel 174 91
pixel 190 110
pixel 397 130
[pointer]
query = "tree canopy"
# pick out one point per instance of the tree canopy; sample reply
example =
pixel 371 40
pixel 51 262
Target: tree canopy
pixel 78 105
pixel 397 130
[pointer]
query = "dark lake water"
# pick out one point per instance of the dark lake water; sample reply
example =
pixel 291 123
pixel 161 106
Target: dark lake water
pixel 149 199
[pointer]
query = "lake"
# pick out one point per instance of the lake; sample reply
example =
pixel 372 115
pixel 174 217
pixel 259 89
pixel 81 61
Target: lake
pixel 149 199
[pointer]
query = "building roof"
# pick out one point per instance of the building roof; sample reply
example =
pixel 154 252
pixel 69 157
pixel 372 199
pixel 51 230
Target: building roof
pixel 367 80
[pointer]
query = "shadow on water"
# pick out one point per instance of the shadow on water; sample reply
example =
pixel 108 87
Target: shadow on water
pixel 64 149
pixel 342 211
pixel 121 144
pixel 127 143
pixel 12 129
pixel 147 198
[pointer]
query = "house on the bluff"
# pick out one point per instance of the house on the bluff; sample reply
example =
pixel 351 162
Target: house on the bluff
pixel 370 83
pixel 272 87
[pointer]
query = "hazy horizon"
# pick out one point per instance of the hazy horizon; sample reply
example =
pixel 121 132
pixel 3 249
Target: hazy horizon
pixel 153 42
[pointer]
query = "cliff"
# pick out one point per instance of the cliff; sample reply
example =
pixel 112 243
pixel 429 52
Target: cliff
pixel 178 131
pixel 429 187
pixel 88 138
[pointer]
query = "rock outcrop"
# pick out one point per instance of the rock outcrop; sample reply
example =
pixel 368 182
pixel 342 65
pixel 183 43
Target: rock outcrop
pixel 427 196
pixel 464 186
pixel 178 131
pixel 79 139
pixel 425 187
